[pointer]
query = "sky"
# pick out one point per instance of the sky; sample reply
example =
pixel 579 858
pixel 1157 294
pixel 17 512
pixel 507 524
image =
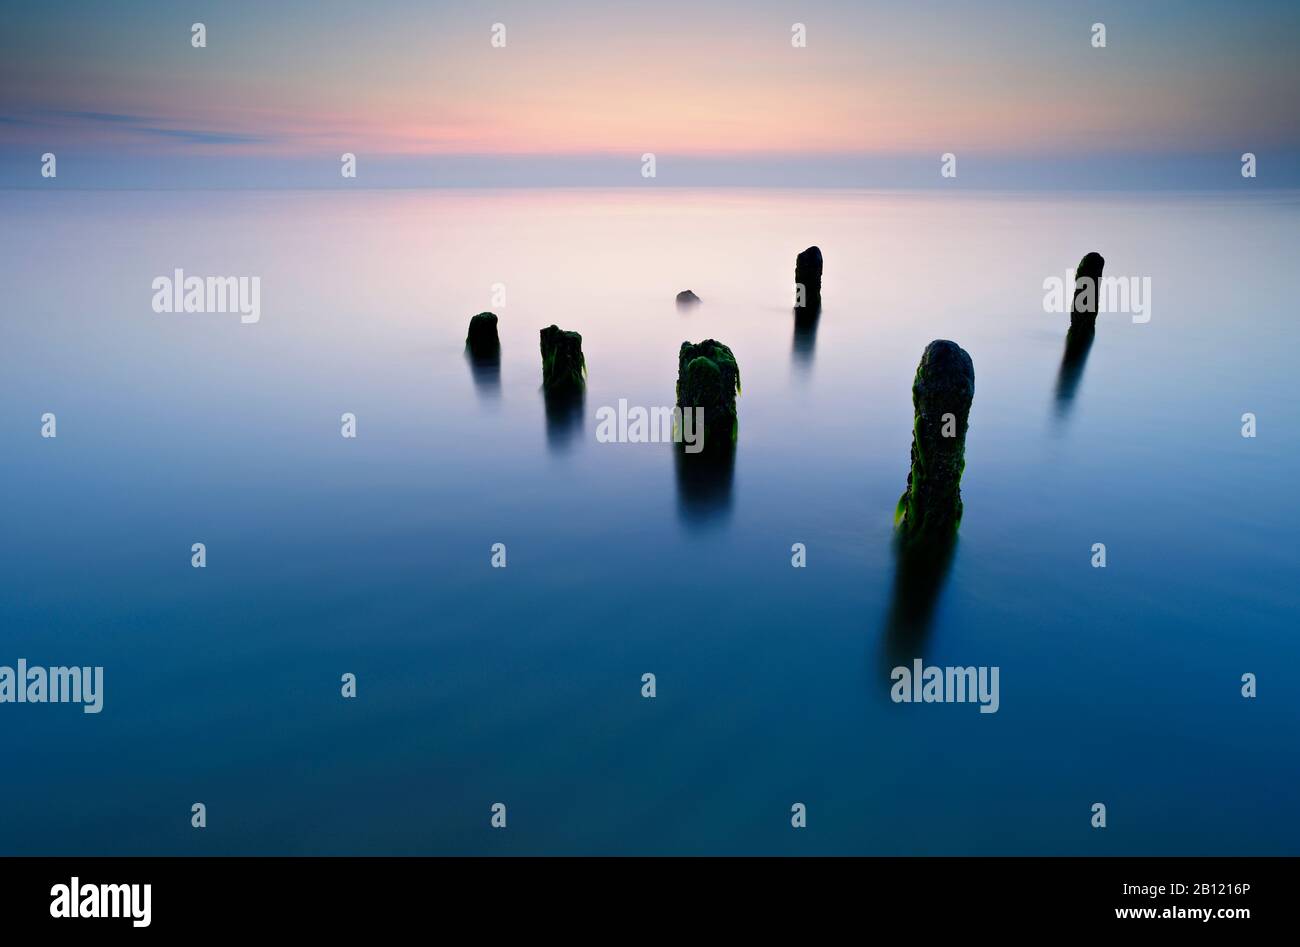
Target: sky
pixel 713 88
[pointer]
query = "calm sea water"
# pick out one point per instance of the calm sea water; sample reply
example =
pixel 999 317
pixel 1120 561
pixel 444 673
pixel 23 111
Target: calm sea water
pixel 479 685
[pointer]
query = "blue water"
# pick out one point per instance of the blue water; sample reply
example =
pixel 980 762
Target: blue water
pixel 522 685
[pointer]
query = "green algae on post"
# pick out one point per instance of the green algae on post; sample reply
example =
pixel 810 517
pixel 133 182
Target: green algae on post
pixel 709 378
pixel 930 508
pixel 563 366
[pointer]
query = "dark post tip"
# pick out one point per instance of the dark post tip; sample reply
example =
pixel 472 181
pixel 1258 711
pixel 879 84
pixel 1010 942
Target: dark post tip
pixel 1087 283
pixel 482 339
pixel 808 275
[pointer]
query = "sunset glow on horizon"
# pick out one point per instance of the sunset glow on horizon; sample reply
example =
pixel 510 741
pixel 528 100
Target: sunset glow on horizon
pixel 575 79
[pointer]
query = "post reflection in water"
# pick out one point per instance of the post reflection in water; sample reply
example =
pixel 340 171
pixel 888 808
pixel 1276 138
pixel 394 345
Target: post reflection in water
pixel 1078 342
pixel 564 418
pixel 921 571
pixel 704 484
pixel 805 337
pixel 486 371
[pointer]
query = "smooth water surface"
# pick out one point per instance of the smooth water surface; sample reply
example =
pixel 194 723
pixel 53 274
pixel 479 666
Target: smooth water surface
pixel 522 685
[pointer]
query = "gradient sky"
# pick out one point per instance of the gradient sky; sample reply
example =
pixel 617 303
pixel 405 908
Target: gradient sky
pixel 585 86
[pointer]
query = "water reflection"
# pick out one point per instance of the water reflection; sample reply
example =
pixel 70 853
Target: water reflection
pixel 565 412
pixel 486 370
pixel 919 577
pixel 805 336
pixel 1078 342
pixel 704 482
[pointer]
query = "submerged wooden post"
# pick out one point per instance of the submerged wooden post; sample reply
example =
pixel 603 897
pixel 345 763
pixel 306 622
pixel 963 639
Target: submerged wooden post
pixel 482 340
pixel 1087 285
pixel 808 279
pixel 709 378
pixel 563 366
pixel 930 508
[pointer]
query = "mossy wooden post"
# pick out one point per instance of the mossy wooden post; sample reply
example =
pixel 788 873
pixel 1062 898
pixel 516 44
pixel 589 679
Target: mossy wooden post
pixel 1087 286
pixel 482 340
pixel 709 378
pixel 808 280
pixel 563 366
pixel 930 508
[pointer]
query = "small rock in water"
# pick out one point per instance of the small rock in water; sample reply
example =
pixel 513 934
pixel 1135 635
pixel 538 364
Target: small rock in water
pixel 687 298
pixel 808 274
pixel 1083 310
pixel 709 378
pixel 482 339
pixel 930 508
pixel 563 365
